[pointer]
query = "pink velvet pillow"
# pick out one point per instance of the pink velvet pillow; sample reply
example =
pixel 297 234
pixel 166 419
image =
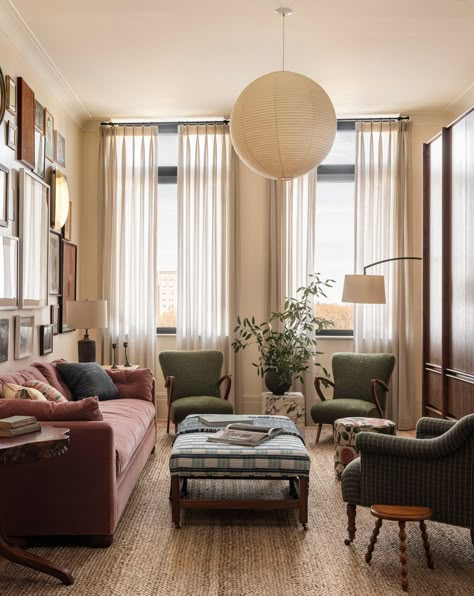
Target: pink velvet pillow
pixel 133 384
pixel 85 409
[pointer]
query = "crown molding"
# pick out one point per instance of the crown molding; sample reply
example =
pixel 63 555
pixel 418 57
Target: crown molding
pixel 17 31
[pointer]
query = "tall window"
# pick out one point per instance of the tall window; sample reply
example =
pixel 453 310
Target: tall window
pixel 335 227
pixel 167 228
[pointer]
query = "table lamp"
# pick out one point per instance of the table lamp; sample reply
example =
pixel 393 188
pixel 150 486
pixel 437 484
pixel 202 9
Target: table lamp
pixel 87 314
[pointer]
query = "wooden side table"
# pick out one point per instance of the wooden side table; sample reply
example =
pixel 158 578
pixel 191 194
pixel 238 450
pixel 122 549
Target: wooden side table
pixel 401 514
pixel 288 404
pixel 49 442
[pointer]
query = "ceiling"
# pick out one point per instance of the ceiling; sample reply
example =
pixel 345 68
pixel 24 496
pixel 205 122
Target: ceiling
pixel 167 59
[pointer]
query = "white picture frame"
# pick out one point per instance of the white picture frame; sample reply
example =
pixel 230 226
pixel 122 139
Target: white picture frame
pixel 8 273
pixel 24 336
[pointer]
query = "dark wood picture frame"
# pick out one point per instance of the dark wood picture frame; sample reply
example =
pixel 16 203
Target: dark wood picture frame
pixel 46 339
pixel 4 338
pixel 68 282
pixel 26 124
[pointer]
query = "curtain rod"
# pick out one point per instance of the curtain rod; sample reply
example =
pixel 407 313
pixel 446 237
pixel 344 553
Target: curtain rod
pixel 176 123
pixel 374 119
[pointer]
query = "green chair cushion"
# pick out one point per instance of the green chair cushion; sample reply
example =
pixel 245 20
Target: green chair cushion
pixel 195 372
pixel 326 412
pixel 198 404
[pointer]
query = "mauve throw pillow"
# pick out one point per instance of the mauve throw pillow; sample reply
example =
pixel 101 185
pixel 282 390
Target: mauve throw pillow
pixel 133 384
pixel 87 378
pixel 86 409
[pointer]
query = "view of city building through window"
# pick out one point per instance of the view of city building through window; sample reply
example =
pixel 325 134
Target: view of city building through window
pixel 334 230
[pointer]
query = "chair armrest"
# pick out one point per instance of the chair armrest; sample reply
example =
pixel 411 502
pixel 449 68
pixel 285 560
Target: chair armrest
pixel 318 381
pixel 373 387
pixel 169 385
pixel 229 383
pixel 428 428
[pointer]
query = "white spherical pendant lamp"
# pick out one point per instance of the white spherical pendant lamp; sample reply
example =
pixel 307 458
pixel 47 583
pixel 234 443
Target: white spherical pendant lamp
pixel 283 125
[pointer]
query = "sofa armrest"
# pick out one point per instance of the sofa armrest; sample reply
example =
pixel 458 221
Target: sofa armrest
pixel 136 383
pixel 428 428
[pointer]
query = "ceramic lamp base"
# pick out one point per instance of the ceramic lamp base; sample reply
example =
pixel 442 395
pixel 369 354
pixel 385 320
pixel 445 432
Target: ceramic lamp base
pixel 86 350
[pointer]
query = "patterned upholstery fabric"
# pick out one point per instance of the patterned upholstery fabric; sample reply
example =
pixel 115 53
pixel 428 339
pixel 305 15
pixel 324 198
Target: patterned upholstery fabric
pixel 352 396
pixel 436 472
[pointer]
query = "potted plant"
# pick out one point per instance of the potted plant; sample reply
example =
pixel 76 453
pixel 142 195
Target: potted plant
pixel 287 342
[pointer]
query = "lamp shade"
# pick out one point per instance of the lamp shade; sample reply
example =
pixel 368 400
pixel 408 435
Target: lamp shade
pixel 364 289
pixel 283 125
pixel 60 200
pixel 87 314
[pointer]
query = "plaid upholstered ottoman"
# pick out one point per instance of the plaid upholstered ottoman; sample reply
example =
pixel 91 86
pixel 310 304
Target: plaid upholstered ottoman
pixel 284 457
pixel 345 432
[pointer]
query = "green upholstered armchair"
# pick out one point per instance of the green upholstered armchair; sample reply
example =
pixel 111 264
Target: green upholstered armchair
pixel 434 470
pixel 360 387
pixel 193 380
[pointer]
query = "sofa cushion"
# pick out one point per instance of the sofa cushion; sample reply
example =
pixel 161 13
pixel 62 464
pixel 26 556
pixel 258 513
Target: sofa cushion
pixel 87 378
pixel 133 384
pixel 85 409
pixel 130 419
pixel 326 412
pixel 199 404
pixel 14 391
pixel 51 375
pixel 47 390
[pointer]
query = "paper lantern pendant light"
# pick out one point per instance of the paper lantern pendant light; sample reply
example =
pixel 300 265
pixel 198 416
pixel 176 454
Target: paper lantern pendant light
pixel 283 124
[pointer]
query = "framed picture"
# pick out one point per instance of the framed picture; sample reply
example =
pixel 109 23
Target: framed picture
pixel 24 335
pixel 46 339
pixel 54 263
pixel 34 240
pixel 49 133
pixel 59 149
pixel 4 334
pixel 67 228
pixel 69 265
pixel 3 96
pixel 59 203
pixel 39 154
pixel 12 132
pixel 55 310
pixel 4 196
pixel 39 117
pixel 11 94
pixel 8 273
pixel 26 123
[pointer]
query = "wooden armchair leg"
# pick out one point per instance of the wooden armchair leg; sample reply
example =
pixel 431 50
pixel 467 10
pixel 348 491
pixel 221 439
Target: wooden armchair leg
pixel 351 527
pixel 318 433
pixel 472 535
pixel 168 426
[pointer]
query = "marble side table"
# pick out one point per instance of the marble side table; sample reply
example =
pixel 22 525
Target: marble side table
pixel 288 404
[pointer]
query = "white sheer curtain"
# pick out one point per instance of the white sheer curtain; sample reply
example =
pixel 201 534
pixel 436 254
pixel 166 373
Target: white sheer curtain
pixel 207 218
pixel 128 192
pixel 292 217
pixel 383 218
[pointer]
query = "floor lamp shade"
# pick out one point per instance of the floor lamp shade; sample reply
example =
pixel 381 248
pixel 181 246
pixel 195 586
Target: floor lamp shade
pixel 364 289
pixel 87 314
pixel 283 125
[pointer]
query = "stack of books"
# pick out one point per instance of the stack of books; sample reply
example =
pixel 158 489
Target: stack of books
pixel 13 426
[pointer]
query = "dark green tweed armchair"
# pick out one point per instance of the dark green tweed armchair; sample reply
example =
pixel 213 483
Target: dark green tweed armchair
pixel 193 380
pixel 360 386
pixel 434 470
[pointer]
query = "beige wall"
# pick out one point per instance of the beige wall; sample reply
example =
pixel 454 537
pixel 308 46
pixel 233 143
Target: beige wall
pixel 14 64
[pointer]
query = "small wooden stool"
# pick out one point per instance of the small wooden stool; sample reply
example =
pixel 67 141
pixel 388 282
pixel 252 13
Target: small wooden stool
pixel 402 515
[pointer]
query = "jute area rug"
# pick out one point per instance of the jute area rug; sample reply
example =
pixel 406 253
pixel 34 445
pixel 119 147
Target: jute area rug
pixel 249 553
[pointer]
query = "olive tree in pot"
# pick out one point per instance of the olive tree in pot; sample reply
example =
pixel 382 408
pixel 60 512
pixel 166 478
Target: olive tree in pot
pixel 287 342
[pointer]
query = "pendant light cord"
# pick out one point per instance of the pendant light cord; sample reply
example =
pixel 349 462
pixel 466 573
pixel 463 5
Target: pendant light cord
pixel 283 44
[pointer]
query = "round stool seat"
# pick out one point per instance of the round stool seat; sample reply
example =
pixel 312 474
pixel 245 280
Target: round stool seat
pixel 401 513
pixel 345 433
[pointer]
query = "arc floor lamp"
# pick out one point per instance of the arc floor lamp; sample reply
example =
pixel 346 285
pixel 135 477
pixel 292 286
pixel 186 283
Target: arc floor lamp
pixel 368 289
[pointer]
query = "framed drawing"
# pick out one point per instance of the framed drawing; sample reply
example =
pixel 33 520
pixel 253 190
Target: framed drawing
pixel 4 195
pixel 49 128
pixel 12 132
pixel 39 117
pixel 59 149
pixel 69 265
pixel 11 94
pixel 54 263
pixel 4 334
pixel 26 124
pixel 3 96
pixel 67 228
pixel 24 335
pixel 46 339
pixel 39 154
pixel 34 240
pixel 8 273
pixel 54 317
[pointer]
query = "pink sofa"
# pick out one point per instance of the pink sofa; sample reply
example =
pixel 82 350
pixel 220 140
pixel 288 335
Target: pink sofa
pixel 85 491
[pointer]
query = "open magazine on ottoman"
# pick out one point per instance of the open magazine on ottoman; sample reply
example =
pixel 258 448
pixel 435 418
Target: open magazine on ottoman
pixel 245 434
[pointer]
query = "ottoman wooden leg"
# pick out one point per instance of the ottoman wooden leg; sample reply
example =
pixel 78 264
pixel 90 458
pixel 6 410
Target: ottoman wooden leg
pixel 403 557
pixel 351 526
pixel 175 508
pixel 303 509
pixel 373 540
pixel 426 544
